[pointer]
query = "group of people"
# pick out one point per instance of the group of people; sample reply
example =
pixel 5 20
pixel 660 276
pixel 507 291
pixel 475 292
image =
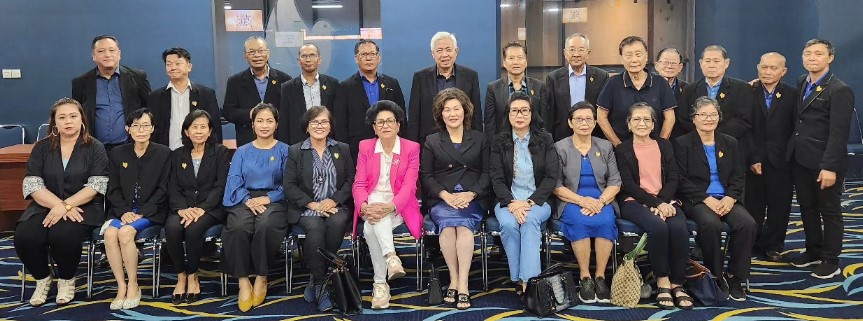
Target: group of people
pixel 582 148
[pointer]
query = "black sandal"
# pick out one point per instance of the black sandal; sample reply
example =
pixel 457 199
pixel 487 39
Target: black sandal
pixel 463 298
pixel 519 290
pixel 680 296
pixel 666 303
pixel 449 297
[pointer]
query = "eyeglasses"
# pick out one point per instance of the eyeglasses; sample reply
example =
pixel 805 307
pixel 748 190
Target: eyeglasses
pixel 515 58
pixel 322 123
pixel 579 120
pixel 706 116
pixel 367 54
pixel 139 127
pixel 252 52
pixel 385 122
pixel 666 63
pixel 646 121
pixel 579 51
pixel 516 112
pixel 309 57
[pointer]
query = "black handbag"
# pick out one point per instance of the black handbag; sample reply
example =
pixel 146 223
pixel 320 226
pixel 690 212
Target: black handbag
pixel 551 291
pixel 702 285
pixel 435 295
pixel 343 285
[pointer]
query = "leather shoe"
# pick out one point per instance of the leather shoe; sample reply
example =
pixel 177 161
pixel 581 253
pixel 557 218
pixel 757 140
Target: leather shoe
pixel 773 256
pixel 192 297
pixel 177 299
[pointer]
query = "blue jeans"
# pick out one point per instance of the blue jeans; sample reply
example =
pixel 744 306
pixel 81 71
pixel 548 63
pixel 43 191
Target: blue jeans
pixel 526 264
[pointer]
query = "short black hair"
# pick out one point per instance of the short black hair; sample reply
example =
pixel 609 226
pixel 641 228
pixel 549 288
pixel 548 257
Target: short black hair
pixel 385 105
pixel 180 52
pixel 317 50
pixel 265 106
pixel 682 59
pixel 187 122
pixel 830 49
pixel 629 41
pixel 137 114
pixel 313 113
pixel 582 105
pixel 513 44
pixel 716 48
pixel 362 42
pixel 101 37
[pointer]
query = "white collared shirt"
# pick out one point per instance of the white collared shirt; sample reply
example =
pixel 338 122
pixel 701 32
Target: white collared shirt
pixel 383 192
pixel 312 92
pixel 179 109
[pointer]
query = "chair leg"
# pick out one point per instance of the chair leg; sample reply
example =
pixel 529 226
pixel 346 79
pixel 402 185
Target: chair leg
pixel 547 237
pixel 155 268
pixel 91 252
pixel 355 251
pixel 484 257
pixel 421 263
pixel 289 265
pixel 613 257
pixel 23 281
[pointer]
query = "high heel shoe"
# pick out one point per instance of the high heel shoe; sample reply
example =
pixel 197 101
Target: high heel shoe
pixel 41 294
pixel 65 291
pixel 132 302
pixel 178 299
pixel 117 304
pixel 192 297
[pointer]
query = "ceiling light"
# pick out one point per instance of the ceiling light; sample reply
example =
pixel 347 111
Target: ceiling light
pixel 505 5
pixel 326 6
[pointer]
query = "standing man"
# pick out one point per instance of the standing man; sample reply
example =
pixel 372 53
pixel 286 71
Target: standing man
pixel 669 64
pixel 570 84
pixel 245 89
pixel 498 91
pixel 359 92
pixel 818 152
pixel 109 92
pixel 429 81
pixel 171 104
pixel 634 85
pixel 769 187
pixel 304 92
pixel 736 102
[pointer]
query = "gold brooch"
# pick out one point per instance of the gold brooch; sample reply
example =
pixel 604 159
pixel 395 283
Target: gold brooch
pixel 383 86
pixel 597 153
pixel 272 158
pixel 819 88
pixel 274 81
pixel 336 155
pixel 324 87
pixel 721 154
pixel 778 95
pixel 183 165
pixel 531 92
pixel 591 79
pixel 721 95
pixel 194 103
pixel 125 165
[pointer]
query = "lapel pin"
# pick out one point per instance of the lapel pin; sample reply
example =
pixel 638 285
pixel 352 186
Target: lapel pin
pixel 721 154
pixel 125 165
pixel 778 95
pixel 274 81
pixel 819 88
pixel 194 103
pixel 183 165
pixel 591 79
pixel 383 86
pixel 336 155
pixel 324 87
pixel 721 95
pixel 597 154
pixel 272 158
pixel 531 92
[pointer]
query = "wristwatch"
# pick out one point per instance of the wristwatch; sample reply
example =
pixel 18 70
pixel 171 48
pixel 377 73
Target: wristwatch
pixel 67 206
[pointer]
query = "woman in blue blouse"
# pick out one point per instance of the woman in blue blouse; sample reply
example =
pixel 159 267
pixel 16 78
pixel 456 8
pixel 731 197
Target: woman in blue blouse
pixel 254 199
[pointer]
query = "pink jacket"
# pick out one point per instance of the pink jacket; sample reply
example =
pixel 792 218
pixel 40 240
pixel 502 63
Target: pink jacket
pixel 403 179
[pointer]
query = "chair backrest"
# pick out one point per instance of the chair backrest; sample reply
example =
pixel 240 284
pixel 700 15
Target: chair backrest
pixel 43 132
pixel 11 135
pixel 228 130
pixel 855 135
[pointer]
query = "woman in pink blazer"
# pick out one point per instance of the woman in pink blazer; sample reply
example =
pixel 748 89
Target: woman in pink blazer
pixel 385 193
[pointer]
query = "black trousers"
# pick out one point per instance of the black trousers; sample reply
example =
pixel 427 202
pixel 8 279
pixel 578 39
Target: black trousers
pixel 326 232
pixel 251 242
pixel 667 241
pixel 743 229
pixel 186 259
pixel 816 206
pixel 63 242
pixel 769 194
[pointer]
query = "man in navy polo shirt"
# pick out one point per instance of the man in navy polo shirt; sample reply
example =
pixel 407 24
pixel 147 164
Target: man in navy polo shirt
pixel 634 85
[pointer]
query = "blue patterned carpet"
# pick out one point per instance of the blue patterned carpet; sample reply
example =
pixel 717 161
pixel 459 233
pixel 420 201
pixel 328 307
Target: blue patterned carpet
pixel 778 292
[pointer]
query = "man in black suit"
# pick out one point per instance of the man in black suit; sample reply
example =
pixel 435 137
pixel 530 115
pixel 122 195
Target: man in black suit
pixel 429 81
pixel 247 88
pixel 769 187
pixel 570 84
pixel 359 92
pixel 498 91
pixel 301 93
pixel 734 97
pixel 669 64
pixel 817 151
pixel 109 92
pixel 172 103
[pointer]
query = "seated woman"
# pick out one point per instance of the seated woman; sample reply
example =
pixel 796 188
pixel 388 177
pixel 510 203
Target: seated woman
pixel 385 193
pixel 137 191
pixel 712 177
pixel 524 172
pixel 455 179
pixel 199 171
pixel 257 216
pixel 318 177
pixel 649 174
pixel 67 201
pixel 588 183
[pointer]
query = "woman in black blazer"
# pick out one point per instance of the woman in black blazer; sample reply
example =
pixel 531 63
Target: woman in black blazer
pixel 712 176
pixel 648 199
pixel 199 171
pixel 454 171
pixel 523 185
pixel 137 190
pixel 319 175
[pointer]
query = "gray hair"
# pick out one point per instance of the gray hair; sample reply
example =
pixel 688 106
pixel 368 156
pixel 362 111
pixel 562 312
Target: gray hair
pixel 641 105
pixel 701 102
pixel 578 34
pixel 440 35
pixel 253 38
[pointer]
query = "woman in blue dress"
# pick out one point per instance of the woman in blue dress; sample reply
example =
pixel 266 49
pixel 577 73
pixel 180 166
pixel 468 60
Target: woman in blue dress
pixel 257 215
pixel 587 186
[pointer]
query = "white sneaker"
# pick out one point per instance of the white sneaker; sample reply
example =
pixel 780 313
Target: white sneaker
pixel 394 268
pixel 65 291
pixel 380 296
pixel 40 295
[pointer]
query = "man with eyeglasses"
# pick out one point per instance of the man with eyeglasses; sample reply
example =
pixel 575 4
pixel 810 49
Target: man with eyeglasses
pixel 310 89
pixel 734 96
pixel 109 92
pixel 575 82
pixel 247 88
pixel 359 92
pixel 172 103
pixel 429 81
pixel 634 85
pixel 818 154
pixel 516 80
pixel 669 64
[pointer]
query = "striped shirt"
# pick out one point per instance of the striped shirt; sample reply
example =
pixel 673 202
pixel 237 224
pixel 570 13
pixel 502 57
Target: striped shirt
pixel 323 173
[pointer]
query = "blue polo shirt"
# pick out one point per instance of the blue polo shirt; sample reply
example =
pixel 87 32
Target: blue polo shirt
pixel 619 94
pixel 373 90
pixel 110 121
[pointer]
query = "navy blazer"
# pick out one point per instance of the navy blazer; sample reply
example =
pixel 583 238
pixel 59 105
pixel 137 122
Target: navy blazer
pixel 299 178
pixel 293 106
pixel 442 166
pixel 205 190
pixel 694 171
pixel 558 102
pixel 735 101
pixel 241 95
pixel 349 113
pixel 423 90
pixel 497 95
pixel 200 97
pixel 772 129
pixel 150 172
pixel 134 87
